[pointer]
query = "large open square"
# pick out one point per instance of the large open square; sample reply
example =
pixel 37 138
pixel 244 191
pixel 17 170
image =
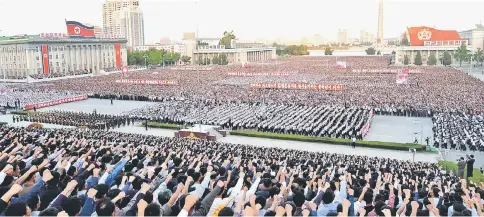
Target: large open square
pixel 102 106
pixel 400 129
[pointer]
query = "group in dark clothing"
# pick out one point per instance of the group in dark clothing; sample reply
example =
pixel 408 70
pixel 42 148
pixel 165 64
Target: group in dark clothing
pixel 78 119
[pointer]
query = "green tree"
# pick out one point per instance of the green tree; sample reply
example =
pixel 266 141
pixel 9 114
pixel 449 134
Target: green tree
pixel 378 53
pixel 370 51
pixel 206 61
pixel 135 58
pixel 227 39
pixel 418 59
pixel 404 41
pixel 432 61
pixel 447 59
pixel 216 60
pixel 405 60
pixel 478 56
pixel 155 57
pixel 461 54
pixel 185 59
pixel 296 50
pixel 223 59
pixel 394 53
pixel 174 57
pixel 280 52
pixel 328 51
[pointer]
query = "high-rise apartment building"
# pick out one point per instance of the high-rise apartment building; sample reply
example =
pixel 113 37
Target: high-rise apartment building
pixel 124 18
pixel 165 40
pixel 132 25
pixel 342 36
pixel 366 37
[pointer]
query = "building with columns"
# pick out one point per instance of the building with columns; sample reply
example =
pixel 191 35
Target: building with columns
pixel 237 55
pixel 429 41
pixel 23 56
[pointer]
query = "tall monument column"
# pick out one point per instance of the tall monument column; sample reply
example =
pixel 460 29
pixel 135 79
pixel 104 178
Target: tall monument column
pixel 380 24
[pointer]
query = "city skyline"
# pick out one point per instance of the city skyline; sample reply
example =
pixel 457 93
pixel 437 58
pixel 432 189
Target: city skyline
pixel 250 19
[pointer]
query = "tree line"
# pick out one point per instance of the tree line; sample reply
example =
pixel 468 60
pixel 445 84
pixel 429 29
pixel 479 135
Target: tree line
pixel 155 57
pixel 220 59
pixel 462 54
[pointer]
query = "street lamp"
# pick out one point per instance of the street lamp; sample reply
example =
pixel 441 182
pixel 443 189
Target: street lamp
pixel 146 62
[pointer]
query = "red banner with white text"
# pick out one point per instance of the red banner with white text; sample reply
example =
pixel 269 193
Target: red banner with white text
pixel 192 68
pixel 55 102
pixel 366 127
pixel 45 59
pixel 331 87
pixel 117 49
pixel 140 81
pixel 248 74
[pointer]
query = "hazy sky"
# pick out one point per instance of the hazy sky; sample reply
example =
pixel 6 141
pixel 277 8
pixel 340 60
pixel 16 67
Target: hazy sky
pixel 250 19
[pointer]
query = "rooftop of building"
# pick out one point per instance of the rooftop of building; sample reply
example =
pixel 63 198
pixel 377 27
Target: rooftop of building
pixel 25 39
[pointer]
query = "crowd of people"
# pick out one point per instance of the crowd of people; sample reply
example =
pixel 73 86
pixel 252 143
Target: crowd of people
pixel 369 83
pixel 81 172
pixel 69 73
pixel 459 131
pixel 77 119
pixel 328 121
pixel 17 98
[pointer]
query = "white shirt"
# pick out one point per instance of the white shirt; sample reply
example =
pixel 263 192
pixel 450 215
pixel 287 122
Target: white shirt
pixel 215 204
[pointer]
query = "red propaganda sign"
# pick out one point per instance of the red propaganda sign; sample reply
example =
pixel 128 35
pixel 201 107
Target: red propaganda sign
pixel 124 70
pixel 329 87
pixel 141 81
pixel 419 35
pixel 55 102
pixel 249 74
pixel 446 43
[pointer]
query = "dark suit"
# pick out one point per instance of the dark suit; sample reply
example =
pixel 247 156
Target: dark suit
pixel 470 167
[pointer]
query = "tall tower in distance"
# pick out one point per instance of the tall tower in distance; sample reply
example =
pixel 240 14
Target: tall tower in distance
pixel 380 23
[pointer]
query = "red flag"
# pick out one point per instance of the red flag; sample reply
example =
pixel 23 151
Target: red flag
pixel 45 59
pixel 76 29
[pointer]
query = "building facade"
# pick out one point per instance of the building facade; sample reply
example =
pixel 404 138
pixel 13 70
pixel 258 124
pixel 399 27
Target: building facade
pixel 342 36
pixel 428 41
pixel 165 41
pixel 366 37
pixel 189 36
pixel 30 56
pixel 124 18
pixel 176 48
pixel 234 56
pixel 111 24
pixel 475 37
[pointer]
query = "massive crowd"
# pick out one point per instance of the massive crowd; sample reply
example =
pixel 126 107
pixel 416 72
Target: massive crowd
pixel 328 121
pixel 438 89
pixel 368 84
pixel 77 119
pixel 80 172
pixel 14 98
pixel 459 131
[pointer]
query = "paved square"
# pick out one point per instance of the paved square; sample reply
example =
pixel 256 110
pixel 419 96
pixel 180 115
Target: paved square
pixel 102 106
pixel 400 129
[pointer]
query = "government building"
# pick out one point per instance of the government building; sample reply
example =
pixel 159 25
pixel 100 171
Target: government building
pixel 239 53
pixel 21 56
pixel 427 40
